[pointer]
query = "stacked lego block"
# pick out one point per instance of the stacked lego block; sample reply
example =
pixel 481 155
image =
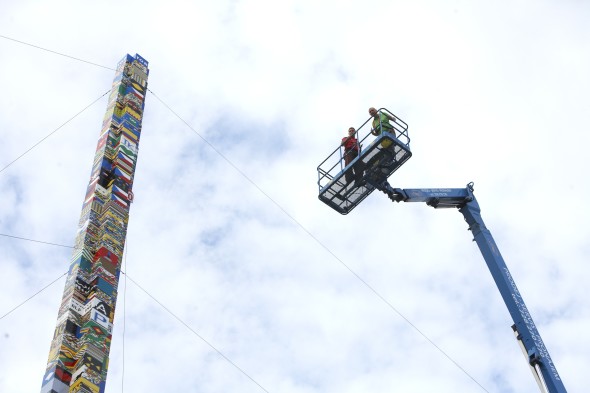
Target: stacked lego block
pixel 78 357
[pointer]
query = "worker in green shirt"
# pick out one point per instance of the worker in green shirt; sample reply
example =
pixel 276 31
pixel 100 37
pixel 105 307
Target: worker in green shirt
pixel 381 123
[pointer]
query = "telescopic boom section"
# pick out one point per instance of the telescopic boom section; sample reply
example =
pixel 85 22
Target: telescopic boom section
pixel 524 328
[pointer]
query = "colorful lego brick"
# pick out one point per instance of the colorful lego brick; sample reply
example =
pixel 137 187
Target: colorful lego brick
pixel 82 338
pixel 83 385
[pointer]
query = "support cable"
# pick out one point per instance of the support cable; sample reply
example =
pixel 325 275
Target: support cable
pixel 375 292
pixel 196 334
pixel 36 241
pixel 54 131
pixel 124 313
pixel 32 296
pixel 124 317
pixel 57 53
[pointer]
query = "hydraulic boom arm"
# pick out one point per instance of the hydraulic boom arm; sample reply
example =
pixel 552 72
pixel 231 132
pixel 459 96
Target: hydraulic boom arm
pixel 524 328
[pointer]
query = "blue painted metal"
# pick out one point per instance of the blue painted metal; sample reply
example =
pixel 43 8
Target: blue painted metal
pixel 526 332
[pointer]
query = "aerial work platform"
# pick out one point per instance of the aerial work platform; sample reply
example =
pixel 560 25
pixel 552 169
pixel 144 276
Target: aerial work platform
pixel 378 158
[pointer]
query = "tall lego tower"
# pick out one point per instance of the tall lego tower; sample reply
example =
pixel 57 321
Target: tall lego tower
pixel 79 353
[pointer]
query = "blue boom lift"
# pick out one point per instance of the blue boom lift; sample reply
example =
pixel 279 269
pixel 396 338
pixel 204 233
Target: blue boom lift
pixel 383 156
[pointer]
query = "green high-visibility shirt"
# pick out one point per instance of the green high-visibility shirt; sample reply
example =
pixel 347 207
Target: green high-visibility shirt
pixel 384 120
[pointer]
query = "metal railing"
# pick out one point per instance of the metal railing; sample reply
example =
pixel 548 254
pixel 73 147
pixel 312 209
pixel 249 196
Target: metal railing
pixel 333 165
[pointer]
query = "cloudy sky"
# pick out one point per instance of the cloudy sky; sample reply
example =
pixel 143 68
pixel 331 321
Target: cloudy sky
pixel 271 290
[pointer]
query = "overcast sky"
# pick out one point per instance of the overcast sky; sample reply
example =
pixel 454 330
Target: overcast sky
pixel 494 92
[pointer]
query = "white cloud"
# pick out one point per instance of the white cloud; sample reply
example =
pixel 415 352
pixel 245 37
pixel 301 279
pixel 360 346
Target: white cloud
pixel 493 93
